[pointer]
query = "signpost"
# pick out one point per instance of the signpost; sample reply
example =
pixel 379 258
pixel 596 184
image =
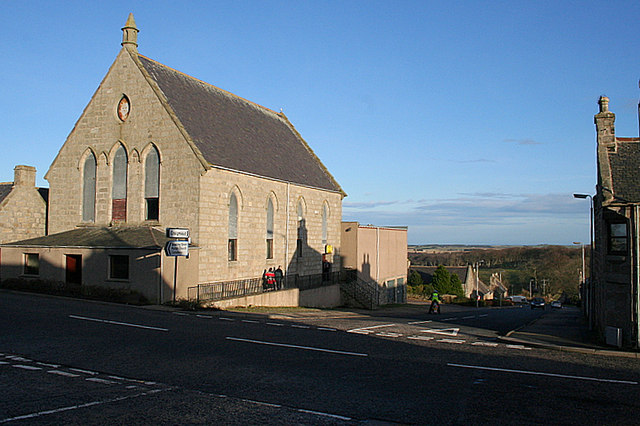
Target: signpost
pixel 175 248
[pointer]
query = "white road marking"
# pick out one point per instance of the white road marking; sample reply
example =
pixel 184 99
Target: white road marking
pixel 469 317
pixel 48 365
pixel 77 370
pixel 442 331
pixel 539 373
pixel 118 323
pixel 420 338
pixel 76 407
pixel 326 329
pixel 182 314
pixel 456 341
pixel 227 319
pixel 448 319
pixel 387 334
pixel 103 381
pixel 204 316
pixel 277 324
pixel 418 322
pixel 491 344
pixel 26 367
pixel 286 345
pixel 251 321
pixel 366 330
pixel 483 315
pixel 62 373
pixel 300 326
pixel 319 413
pixel 521 347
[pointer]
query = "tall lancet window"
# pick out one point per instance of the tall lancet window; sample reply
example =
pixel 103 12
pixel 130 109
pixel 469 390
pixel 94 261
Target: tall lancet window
pixel 152 185
pixel 301 229
pixel 270 229
pixel 325 215
pixel 89 189
pixel 233 228
pixel 119 189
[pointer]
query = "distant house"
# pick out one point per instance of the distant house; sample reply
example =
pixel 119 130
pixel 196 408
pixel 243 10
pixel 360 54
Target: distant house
pixel 23 207
pixel 470 285
pixel 611 298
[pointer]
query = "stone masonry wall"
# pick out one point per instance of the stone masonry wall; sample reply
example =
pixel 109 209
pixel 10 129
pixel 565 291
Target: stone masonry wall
pixel 252 194
pixel 99 131
pixel 22 215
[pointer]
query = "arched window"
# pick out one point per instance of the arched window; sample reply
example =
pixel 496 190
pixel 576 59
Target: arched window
pixel 233 227
pixel 119 189
pixel 301 229
pixel 152 184
pixel 325 215
pixel 89 189
pixel 270 229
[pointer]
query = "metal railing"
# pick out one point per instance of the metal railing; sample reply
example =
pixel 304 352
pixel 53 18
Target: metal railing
pixel 228 289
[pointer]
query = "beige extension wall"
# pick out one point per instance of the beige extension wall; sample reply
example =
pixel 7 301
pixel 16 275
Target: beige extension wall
pixel 379 254
pixel 151 272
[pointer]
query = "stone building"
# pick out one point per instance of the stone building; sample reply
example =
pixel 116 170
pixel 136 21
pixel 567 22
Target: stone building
pixel 156 148
pixel 23 207
pixel 611 297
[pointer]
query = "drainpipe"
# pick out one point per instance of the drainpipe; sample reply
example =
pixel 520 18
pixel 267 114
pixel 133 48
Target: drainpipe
pixel 378 255
pixel 636 287
pixel 286 240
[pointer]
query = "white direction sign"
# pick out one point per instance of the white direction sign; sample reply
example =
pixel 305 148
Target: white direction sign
pixel 177 248
pixel 182 233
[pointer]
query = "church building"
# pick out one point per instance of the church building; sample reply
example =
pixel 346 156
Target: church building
pixel 156 148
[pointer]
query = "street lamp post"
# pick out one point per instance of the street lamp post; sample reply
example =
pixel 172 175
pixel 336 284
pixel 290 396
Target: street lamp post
pixel 590 290
pixel 582 273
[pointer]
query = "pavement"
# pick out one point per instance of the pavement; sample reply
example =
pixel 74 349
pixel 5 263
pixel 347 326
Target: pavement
pixel 564 329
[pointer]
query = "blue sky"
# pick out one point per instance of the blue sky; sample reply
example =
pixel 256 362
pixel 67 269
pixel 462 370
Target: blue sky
pixel 469 122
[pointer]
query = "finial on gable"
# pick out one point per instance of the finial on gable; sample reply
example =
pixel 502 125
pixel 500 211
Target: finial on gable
pixel 130 34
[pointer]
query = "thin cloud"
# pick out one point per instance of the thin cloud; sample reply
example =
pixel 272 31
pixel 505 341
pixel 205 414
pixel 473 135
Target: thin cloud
pixel 523 141
pixel 478 160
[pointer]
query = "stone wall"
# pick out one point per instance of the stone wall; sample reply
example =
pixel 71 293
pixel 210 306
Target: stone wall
pixel 23 211
pixel 253 194
pixel 99 131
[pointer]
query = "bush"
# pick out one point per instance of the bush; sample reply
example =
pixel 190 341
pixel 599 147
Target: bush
pixel 60 288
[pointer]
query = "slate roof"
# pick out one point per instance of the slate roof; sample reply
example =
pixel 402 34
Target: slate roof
pixel 236 134
pixel 625 169
pixel 5 189
pixel 113 237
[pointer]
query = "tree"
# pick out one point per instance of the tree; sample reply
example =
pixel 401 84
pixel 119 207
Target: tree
pixel 456 285
pixel 414 279
pixel 442 280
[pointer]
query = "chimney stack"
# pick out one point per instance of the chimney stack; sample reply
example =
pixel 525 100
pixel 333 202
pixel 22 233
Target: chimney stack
pixel 24 176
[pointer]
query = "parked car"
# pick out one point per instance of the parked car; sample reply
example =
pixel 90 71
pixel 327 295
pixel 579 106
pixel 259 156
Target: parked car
pixel 518 299
pixel 537 302
pixel 556 304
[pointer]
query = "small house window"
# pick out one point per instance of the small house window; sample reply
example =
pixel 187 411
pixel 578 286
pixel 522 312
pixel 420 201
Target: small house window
pixel 618 240
pixel 119 267
pixel 31 264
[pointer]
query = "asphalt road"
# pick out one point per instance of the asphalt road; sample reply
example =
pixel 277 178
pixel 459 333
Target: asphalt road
pixel 77 362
